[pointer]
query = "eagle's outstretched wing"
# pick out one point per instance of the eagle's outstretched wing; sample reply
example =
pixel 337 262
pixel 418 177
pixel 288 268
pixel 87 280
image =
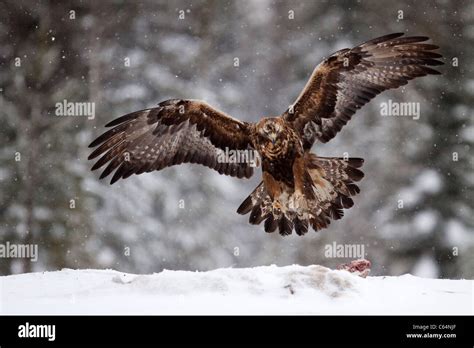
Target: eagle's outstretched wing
pixel 175 132
pixel 350 78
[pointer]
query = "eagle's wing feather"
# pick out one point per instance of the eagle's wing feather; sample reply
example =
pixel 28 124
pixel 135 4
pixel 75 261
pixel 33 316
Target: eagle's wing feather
pixel 350 78
pixel 175 132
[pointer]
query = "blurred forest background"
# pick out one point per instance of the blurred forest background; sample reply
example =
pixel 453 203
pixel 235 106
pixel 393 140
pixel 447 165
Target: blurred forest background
pixel 415 212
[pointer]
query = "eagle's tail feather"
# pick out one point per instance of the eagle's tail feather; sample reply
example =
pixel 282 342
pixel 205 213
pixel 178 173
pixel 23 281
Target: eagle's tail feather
pixel 334 181
pixel 271 224
pixel 253 200
pixel 333 186
pixel 301 226
pixel 259 205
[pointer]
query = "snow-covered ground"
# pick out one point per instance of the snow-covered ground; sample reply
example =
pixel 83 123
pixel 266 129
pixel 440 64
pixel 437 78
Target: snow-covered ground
pixel 261 290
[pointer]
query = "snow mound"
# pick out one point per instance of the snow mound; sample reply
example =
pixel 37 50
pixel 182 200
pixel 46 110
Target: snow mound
pixel 260 290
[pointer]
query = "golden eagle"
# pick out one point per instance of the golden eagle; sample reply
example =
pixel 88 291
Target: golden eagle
pixel 299 189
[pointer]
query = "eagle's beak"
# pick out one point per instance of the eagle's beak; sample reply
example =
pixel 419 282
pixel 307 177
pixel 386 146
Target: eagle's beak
pixel 273 137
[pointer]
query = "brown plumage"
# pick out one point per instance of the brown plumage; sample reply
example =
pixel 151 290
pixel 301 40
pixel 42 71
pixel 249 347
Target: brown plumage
pixel 299 190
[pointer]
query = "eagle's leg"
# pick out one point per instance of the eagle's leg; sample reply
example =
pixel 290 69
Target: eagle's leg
pixel 299 201
pixel 277 208
pixel 275 191
pixel 304 191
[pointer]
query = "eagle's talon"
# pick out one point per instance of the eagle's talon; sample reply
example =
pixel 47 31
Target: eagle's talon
pixel 277 207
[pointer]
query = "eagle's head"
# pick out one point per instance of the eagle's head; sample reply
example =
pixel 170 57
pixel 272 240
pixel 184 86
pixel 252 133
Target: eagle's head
pixel 272 137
